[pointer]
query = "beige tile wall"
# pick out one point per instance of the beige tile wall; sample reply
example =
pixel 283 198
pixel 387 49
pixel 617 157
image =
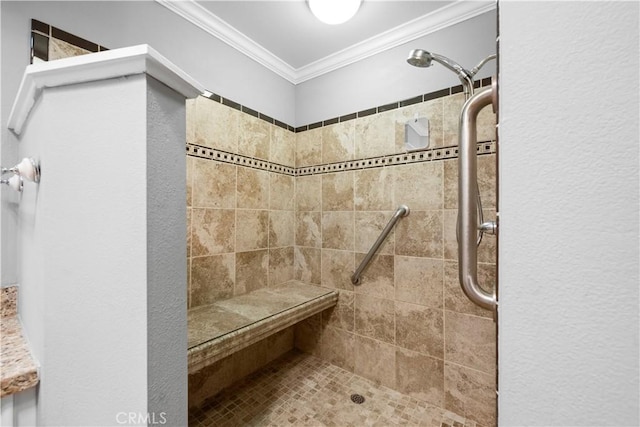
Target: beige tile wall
pixel 240 234
pixel 408 325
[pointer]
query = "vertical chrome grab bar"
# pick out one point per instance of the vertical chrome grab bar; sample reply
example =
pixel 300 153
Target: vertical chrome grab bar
pixel 468 197
pixel 403 210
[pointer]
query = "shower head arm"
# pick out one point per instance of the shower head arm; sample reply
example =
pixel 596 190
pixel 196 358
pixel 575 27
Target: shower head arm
pixel 477 68
pixel 465 76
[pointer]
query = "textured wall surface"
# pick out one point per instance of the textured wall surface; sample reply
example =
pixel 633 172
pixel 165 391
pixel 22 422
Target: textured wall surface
pixel 568 315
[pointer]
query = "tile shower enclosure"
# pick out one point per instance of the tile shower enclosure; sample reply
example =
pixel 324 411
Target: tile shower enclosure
pixel 267 203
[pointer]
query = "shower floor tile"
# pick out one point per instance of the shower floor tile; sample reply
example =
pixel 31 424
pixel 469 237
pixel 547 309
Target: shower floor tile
pixel 299 389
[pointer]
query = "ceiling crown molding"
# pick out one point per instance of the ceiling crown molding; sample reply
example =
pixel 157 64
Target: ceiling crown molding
pixel 444 17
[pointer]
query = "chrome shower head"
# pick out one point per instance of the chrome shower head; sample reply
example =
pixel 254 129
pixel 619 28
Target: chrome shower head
pixel 422 58
pixel 419 58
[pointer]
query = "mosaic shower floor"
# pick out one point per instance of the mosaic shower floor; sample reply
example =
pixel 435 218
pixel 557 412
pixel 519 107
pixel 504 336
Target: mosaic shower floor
pixel 299 389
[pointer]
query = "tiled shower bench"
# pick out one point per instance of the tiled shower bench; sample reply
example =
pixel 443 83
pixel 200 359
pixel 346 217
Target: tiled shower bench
pixel 225 327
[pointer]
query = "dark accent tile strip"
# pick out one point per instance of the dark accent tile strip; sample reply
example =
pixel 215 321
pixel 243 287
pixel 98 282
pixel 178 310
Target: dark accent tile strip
pixel 437 94
pixel 40 48
pixel 476 84
pixel 249 111
pixel 40 26
pixel 266 118
pixel 232 104
pixel 368 112
pixel 456 89
pixel 102 48
pixel 74 40
pixel 280 124
pixel 302 128
pixel 315 125
pixel 291 128
pixel 348 117
pixel 331 121
pixel 486 81
pixel 411 101
pixel 387 107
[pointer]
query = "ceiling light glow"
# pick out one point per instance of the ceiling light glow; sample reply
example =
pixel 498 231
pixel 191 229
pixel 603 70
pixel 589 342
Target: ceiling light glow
pixel 334 12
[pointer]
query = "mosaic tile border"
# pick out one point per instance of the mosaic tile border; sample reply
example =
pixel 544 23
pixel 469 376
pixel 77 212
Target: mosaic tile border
pixel 202 152
pixel 428 155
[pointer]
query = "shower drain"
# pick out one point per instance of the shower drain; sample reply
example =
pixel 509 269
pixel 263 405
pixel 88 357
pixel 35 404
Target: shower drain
pixel 357 398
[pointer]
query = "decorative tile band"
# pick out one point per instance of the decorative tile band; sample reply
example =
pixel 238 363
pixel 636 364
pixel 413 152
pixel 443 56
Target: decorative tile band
pixel 199 151
pixel 428 155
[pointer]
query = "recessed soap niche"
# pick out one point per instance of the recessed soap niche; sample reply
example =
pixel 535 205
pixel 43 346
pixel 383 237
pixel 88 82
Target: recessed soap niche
pixel 416 134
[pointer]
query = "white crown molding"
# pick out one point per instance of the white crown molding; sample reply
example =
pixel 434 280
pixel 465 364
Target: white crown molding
pixel 207 21
pixel 444 17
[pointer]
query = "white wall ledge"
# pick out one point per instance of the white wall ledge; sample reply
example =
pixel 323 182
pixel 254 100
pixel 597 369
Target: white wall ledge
pixel 93 67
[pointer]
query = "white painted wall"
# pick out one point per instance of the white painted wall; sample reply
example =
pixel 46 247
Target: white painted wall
pixel 569 183
pixel 386 77
pixel 102 274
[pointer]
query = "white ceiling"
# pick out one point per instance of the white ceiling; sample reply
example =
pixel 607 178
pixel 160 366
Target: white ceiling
pixel 285 37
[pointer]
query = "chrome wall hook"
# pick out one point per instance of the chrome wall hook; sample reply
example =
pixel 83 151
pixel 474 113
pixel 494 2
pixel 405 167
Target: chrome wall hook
pixel 28 168
pixel 16 182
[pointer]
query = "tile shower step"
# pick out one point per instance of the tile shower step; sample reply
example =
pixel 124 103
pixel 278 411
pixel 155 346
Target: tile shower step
pixel 224 327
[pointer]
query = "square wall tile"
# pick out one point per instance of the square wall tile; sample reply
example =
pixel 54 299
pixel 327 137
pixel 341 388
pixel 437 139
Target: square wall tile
pixel 212 231
pixel 375 318
pixel 452 106
pixel 471 393
pixel 212 278
pixel 368 227
pixel 254 137
pixel 419 186
pixel 336 269
pixel 377 278
pixel 374 189
pixel 216 125
pixel 214 184
pixel 337 142
pixel 252 269
pixel 420 376
pixel 280 265
pixel 308 229
pixel 375 135
pixel 420 329
pixel 420 234
pixel 337 230
pixel 281 228
pixel 253 188
pixel 337 347
pixel 281 192
pixel 308 193
pixel 283 146
pixel 306 265
pixel 309 148
pixel 375 360
pixel 470 341
pixel 419 280
pixel 337 191
pixel 252 229
pixel 342 315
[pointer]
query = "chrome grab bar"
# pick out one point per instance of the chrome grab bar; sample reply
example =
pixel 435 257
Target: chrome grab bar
pixel 468 199
pixel 403 210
